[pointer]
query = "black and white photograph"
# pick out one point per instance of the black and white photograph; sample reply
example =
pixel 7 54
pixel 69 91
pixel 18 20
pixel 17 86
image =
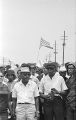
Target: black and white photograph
pixel 37 59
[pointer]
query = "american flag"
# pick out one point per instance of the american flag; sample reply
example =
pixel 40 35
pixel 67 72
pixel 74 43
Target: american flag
pixel 44 43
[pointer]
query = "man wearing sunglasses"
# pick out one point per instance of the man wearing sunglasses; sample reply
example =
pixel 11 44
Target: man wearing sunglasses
pixel 52 87
pixel 25 97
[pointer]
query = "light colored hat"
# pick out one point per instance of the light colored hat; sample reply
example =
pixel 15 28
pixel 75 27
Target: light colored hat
pixel 25 69
pixel 62 68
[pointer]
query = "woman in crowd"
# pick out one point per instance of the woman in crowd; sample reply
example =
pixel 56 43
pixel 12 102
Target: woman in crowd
pixel 71 97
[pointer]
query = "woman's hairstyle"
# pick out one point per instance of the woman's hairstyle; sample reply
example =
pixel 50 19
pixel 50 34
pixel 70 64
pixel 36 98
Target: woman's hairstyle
pixel 10 72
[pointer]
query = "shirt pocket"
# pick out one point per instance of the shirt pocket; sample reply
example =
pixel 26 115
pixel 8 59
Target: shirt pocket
pixel 30 93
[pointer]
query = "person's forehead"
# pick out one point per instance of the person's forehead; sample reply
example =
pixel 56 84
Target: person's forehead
pixel 51 67
pixel 25 72
pixel 33 68
pixel 10 75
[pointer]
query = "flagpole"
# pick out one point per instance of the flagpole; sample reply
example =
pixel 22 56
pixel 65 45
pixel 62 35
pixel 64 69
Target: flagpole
pixel 45 44
pixel 38 55
pixel 38 52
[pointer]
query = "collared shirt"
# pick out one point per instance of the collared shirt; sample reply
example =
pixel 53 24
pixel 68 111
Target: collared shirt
pixel 67 76
pixel 5 80
pixel 25 94
pixel 35 79
pixel 56 82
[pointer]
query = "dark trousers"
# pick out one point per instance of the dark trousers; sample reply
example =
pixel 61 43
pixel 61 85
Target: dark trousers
pixel 70 114
pixel 41 110
pixel 54 109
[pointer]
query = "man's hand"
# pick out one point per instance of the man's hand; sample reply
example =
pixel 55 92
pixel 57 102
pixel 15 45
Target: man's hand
pixel 37 115
pixel 54 91
pixel 13 113
pixel 51 95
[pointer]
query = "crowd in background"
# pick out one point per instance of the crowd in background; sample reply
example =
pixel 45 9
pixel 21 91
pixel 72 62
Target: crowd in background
pixel 54 91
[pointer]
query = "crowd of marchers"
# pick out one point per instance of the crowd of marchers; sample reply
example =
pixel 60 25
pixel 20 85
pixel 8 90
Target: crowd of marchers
pixel 30 92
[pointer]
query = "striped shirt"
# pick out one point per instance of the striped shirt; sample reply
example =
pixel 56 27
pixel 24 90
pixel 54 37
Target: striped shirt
pixel 4 92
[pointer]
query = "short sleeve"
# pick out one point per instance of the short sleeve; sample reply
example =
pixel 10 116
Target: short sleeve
pixel 41 86
pixel 63 85
pixel 36 91
pixel 14 92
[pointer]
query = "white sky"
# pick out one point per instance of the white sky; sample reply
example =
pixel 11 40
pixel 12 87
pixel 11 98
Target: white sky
pixel 24 22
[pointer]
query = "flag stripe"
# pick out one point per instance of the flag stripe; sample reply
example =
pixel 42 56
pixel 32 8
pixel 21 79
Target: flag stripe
pixel 44 43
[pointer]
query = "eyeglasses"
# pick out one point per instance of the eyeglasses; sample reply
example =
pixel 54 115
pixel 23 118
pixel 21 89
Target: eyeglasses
pixel 51 68
pixel 70 68
pixel 25 74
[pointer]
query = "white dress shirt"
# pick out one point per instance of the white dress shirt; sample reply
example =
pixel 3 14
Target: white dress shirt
pixel 25 94
pixel 56 82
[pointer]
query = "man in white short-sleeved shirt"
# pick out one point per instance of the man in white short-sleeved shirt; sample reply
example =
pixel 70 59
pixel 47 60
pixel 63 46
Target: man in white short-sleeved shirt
pixel 25 95
pixel 56 82
pixel 52 88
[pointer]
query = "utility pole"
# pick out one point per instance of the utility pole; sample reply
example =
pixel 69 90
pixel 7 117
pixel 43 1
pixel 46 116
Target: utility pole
pixel 3 61
pixel 55 51
pixel 10 62
pixel 64 45
pixel 46 59
pixel 49 56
